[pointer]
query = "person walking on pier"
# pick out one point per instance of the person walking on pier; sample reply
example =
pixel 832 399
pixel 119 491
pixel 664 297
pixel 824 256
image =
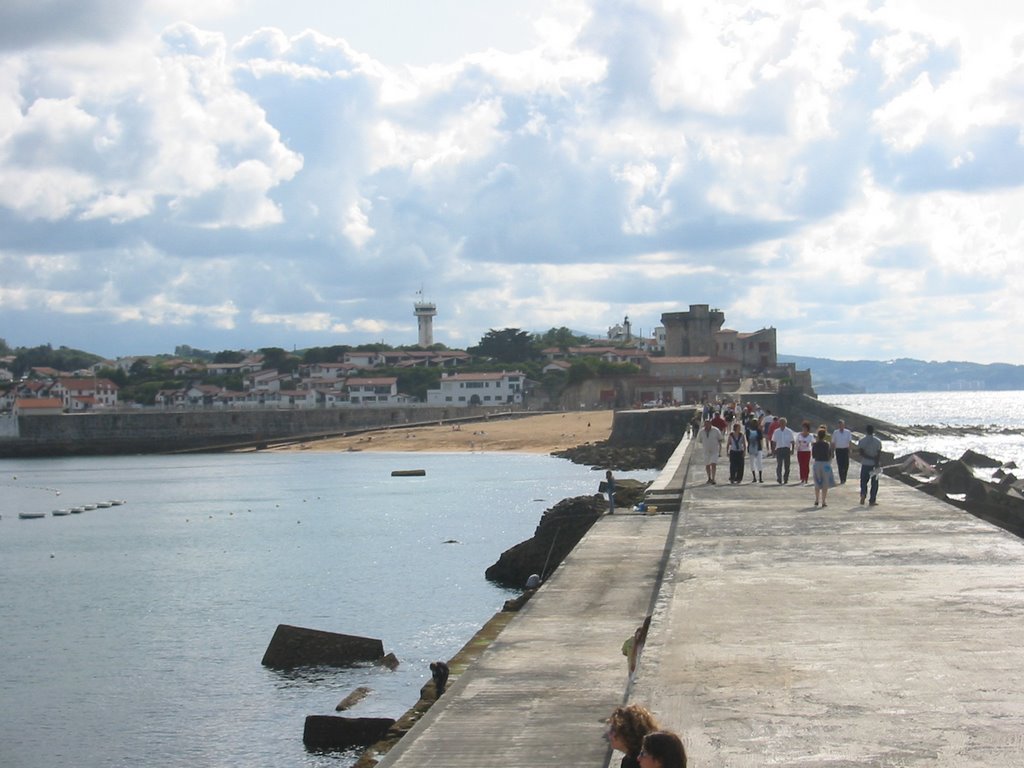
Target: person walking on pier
pixel 804 441
pixel 709 440
pixel 821 452
pixel 870 449
pixel 783 439
pixel 755 444
pixel 841 440
pixel 737 450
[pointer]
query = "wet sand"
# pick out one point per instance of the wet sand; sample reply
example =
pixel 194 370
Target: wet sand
pixel 529 434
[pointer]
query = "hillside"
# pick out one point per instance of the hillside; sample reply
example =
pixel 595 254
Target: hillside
pixel 838 377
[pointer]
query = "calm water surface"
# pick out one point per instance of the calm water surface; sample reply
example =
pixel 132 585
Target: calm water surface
pixel 133 635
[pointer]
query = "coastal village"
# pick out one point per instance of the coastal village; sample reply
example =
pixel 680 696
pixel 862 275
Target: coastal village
pixel 689 358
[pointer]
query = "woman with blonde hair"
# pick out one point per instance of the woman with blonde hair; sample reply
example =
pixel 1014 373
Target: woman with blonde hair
pixel 627 727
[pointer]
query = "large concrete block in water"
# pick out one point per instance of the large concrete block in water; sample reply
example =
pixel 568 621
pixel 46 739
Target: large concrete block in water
pixel 333 732
pixel 301 647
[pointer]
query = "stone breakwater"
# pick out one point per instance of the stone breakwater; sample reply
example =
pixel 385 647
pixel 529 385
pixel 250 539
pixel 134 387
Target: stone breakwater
pixel 979 484
pixel 155 431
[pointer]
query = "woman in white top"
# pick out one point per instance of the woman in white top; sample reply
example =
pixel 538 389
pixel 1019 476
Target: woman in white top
pixel 804 441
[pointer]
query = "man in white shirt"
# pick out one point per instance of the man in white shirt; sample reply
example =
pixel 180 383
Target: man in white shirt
pixel 709 440
pixel 783 439
pixel 842 438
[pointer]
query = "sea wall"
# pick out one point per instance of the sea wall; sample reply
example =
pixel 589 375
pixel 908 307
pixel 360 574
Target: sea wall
pixel 640 427
pixel 649 426
pixel 796 407
pixel 153 431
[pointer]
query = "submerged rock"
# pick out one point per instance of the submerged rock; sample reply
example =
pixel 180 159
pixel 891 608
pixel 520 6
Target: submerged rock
pixel 353 698
pixel 559 530
pixel 620 458
pixel 301 647
pixel 333 732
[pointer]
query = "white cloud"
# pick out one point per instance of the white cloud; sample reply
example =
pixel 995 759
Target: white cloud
pixel 289 189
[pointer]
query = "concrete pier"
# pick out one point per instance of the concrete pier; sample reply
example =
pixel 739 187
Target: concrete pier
pixel 784 634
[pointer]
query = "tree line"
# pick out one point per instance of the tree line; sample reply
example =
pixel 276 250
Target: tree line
pixel 498 349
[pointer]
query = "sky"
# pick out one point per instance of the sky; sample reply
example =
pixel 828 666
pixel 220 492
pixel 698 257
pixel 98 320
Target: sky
pixel 238 174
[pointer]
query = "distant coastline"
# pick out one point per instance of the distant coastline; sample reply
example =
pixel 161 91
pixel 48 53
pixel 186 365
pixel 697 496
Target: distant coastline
pixel 850 377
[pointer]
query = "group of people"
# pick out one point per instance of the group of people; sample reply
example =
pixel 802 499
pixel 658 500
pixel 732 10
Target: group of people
pixel 634 731
pixel 749 431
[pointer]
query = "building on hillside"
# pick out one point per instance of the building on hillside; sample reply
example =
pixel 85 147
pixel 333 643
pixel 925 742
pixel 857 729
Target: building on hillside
pixel 85 394
pixel 466 389
pixel 326 372
pixel 44 372
pixel 621 332
pixel 557 366
pixel 363 359
pixel 233 369
pixel 380 389
pixel 38 406
pixel 698 332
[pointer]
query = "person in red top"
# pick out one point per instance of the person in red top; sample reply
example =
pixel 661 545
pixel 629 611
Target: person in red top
pixel 718 421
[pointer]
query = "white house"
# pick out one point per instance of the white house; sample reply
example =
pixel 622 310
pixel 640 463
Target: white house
pixel 327 371
pixel 364 359
pixel 85 394
pixel 466 389
pixel 380 389
pixel 557 366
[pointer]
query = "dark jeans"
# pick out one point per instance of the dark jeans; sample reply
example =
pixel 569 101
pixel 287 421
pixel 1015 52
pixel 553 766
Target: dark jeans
pixel 735 466
pixel 782 464
pixel 842 463
pixel 865 476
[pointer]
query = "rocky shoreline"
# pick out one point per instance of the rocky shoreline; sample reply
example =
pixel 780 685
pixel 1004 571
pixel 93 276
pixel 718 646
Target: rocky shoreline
pixel 985 487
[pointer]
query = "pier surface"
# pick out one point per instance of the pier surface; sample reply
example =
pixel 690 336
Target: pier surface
pixel 783 634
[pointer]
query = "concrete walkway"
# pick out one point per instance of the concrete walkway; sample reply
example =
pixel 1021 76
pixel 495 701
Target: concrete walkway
pixel 783 634
pixel 791 635
pixel 541 692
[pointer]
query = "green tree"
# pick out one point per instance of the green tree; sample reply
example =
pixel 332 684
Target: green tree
pixel 509 345
pixel 560 337
pixel 229 356
pixel 116 375
pixel 325 354
pixel 279 359
pixel 45 356
pixel 416 381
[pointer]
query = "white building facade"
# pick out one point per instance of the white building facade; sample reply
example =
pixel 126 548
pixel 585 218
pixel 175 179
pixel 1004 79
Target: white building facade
pixel 473 389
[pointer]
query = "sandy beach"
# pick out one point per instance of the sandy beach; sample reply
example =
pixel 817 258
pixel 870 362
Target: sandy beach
pixel 529 434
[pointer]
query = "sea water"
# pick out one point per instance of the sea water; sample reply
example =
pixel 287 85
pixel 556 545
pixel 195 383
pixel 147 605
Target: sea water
pixel 991 423
pixel 133 635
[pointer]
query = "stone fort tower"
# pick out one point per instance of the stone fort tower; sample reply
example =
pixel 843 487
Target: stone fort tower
pixel 692 333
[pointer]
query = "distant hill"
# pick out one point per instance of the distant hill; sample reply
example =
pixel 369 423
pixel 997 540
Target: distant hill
pixel 843 377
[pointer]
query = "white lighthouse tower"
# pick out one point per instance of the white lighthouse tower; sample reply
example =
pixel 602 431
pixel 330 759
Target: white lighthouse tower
pixel 425 311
